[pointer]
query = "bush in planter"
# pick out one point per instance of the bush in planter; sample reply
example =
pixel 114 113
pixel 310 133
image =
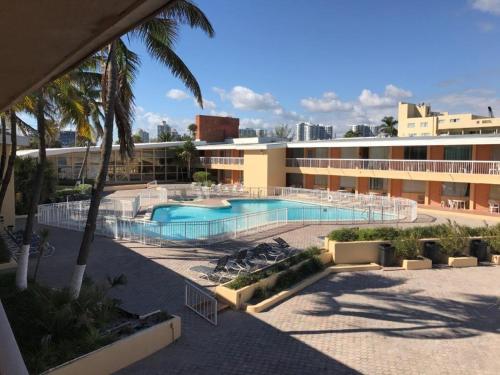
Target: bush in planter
pixel 381 233
pixel 493 239
pixel 407 247
pixel 344 234
pixel 454 239
pixel 201 176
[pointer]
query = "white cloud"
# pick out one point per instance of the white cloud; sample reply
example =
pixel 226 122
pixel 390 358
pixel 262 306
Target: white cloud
pixel 207 104
pixel 177 94
pixel 391 96
pixel 253 123
pixel 471 100
pixel 220 113
pixel 329 102
pixel 244 98
pixel 486 26
pixel 488 6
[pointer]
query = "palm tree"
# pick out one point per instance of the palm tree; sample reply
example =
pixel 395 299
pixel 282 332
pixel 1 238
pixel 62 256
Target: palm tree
pixel 12 156
pixel 158 34
pixel 165 137
pixel 283 131
pixel 60 97
pixel 186 154
pixel 192 130
pixel 351 134
pixel 389 126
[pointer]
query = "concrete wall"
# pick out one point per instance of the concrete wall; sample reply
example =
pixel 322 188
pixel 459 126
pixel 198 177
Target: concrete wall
pixel 262 168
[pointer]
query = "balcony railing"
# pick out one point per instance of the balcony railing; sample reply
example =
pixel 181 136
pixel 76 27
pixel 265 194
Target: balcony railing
pixel 221 160
pixel 434 166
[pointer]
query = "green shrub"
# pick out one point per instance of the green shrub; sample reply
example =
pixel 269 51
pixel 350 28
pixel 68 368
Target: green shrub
pixel 380 233
pixel 344 234
pixel 454 239
pixel 428 231
pixel 4 252
pixel 51 328
pixel 201 176
pixel 493 239
pixel 249 279
pixel 407 247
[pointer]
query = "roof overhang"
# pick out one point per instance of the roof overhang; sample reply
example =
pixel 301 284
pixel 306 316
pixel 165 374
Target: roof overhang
pixel 448 140
pixel 41 39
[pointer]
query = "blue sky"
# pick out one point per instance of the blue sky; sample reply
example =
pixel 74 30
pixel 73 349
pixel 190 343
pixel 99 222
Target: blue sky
pixel 336 62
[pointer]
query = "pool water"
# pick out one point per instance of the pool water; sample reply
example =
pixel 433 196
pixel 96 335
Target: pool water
pixel 238 207
pixel 184 222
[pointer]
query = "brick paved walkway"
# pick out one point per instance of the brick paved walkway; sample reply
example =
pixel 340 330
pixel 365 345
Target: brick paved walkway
pixel 382 322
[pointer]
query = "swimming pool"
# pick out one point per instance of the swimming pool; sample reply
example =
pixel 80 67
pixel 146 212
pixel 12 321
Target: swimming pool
pixel 185 222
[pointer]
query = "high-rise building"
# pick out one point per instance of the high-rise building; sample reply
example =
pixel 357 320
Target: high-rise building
pixel 312 132
pixel 363 130
pixel 261 132
pixel 164 128
pixel 144 135
pixel 67 138
pixel 247 133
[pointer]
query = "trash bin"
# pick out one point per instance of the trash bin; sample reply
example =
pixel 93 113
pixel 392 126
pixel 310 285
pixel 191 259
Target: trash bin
pixel 432 251
pixel 386 255
pixel 479 249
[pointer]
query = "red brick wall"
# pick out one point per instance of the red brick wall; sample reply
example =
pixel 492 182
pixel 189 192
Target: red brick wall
pixel 216 129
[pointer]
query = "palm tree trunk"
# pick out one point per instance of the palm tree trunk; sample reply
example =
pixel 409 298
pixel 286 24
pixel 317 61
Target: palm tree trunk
pixel 22 261
pixel 106 149
pixel 12 158
pixel 87 150
pixel 3 158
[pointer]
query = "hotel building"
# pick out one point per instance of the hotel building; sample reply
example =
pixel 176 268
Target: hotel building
pixel 431 170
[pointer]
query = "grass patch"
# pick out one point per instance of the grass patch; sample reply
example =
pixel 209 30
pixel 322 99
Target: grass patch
pixel 249 279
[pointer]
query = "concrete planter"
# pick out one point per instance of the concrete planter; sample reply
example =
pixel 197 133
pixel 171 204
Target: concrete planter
pixel 417 264
pixel 355 252
pixel 8 267
pixel 459 262
pixel 124 352
pixel 495 258
pixel 273 300
pixel 237 298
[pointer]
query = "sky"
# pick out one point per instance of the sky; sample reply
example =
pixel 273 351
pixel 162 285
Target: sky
pixel 336 62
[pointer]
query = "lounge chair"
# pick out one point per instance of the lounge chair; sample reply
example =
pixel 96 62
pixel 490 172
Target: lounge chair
pixel 281 242
pixel 271 253
pixel 285 247
pixel 494 206
pixel 240 263
pixel 218 273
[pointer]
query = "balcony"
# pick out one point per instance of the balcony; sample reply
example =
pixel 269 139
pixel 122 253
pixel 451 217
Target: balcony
pixel 222 162
pixel 395 168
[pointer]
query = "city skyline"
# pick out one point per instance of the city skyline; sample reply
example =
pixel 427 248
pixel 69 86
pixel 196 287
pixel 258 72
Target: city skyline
pixel 271 72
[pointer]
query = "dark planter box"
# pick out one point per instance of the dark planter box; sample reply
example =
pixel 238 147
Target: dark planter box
pixel 386 255
pixel 432 251
pixel 479 249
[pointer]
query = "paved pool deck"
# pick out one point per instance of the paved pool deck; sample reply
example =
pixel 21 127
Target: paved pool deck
pixel 444 321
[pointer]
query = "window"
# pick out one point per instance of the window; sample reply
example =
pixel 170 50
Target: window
pixel 411 125
pixel 455 189
pixel 412 134
pixel 376 183
pixel 458 153
pixel 415 152
pixel 426 134
pixel 454 120
pixel 423 124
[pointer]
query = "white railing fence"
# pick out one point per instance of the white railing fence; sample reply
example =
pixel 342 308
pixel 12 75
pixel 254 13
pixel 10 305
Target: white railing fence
pixel 221 160
pixel 115 216
pixel 201 302
pixel 434 166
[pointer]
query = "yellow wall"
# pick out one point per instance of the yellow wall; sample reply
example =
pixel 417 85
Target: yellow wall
pixel 9 203
pixel 262 168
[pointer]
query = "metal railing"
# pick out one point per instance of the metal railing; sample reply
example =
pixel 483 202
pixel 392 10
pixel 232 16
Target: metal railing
pixel 201 302
pixel 433 166
pixel 221 160
pixel 320 207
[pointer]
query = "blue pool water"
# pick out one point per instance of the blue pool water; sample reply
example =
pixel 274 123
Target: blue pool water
pixel 176 222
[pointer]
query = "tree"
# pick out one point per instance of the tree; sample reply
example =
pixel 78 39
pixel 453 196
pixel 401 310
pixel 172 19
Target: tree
pixel 192 130
pixel 186 154
pixel 165 137
pixel 351 134
pixel 283 132
pixel 7 175
pixel 120 64
pixel 389 126
pixel 137 138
